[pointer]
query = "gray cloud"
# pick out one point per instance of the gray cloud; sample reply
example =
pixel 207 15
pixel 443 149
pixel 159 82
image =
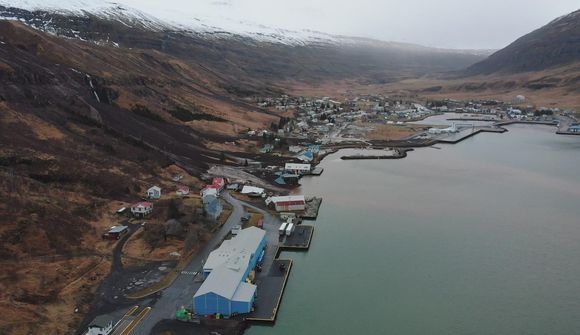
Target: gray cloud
pixel 443 23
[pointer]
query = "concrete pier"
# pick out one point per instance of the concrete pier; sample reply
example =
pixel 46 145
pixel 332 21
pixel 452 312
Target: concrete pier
pixel 312 207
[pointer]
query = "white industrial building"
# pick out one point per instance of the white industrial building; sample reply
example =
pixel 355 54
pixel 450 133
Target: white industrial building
pixel 297 168
pixel 252 191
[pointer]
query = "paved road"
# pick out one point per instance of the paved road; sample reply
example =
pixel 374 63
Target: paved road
pixel 181 291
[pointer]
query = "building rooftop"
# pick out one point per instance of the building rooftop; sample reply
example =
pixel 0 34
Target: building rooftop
pixel 292 166
pixel 117 229
pixel 245 292
pixel 251 189
pixel 143 204
pixel 287 198
pixel 228 265
pixel 246 241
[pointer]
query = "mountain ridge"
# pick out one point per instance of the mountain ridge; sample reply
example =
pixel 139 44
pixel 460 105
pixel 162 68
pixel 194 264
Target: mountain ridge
pixel 555 44
pixel 203 26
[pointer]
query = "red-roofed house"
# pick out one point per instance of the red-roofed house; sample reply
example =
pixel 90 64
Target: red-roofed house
pixel 142 209
pixel 214 188
pixel 182 190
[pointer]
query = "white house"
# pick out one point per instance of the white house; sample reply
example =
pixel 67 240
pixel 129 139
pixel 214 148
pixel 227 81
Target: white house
pixel 101 325
pixel 209 190
pixel 298 168
pixel 154 192
pixel 288 203
pixel 142 209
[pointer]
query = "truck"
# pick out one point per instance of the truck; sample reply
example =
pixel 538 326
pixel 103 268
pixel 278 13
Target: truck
pixel 289 229
pixel 282 229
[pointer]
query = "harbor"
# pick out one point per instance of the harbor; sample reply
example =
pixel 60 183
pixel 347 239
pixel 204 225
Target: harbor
pixel 417 268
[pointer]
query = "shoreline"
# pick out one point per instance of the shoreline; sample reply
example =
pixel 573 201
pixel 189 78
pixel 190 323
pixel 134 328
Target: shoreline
pixel 411 143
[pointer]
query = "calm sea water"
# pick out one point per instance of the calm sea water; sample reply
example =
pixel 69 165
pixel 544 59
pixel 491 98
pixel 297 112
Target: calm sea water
pixel 482 237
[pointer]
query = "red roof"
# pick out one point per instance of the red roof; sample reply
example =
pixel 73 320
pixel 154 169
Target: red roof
pixel 143 204
pixel 218 181
pixel 290 203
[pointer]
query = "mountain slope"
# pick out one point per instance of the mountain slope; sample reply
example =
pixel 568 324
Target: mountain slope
pixel 97 103
pixel 265 53
pixel 555 44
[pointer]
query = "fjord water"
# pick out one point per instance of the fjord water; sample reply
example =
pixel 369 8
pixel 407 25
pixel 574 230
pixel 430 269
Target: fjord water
pixel 481 237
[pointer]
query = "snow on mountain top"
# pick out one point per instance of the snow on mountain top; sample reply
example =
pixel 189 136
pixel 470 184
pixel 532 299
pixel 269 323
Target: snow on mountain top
pixel 157 16
pixel 211 18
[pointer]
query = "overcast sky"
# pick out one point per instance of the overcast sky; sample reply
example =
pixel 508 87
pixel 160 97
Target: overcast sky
pixel 476 24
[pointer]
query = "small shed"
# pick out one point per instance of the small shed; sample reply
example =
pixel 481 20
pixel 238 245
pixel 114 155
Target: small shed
pixel 115 233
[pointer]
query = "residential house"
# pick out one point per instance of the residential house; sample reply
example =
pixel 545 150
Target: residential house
pixel 182 190
pixel 142 209
pixel 154 192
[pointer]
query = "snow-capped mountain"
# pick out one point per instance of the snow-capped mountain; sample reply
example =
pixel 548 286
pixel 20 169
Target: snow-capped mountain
pixel 203 20
pixel 159 18
pixel 206 35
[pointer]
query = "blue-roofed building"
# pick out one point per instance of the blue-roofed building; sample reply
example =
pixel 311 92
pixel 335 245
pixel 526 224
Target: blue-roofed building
pixel 225 290
pixel 306 156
